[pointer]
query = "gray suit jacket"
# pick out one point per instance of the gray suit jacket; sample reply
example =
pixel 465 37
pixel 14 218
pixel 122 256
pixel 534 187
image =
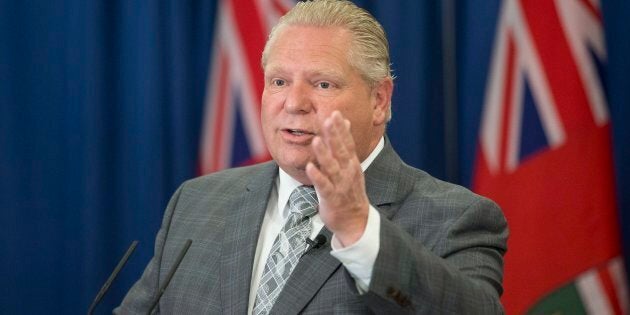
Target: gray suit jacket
pixel 441 249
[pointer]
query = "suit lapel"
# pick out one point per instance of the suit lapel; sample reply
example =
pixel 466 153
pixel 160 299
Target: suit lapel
pixel 240 239
pixel 385 183
pixel 385 186
pixel 307 278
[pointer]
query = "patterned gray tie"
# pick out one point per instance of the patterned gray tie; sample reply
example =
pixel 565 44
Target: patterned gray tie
pixel 287 248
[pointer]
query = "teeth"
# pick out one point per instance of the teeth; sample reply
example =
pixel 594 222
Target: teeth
pixel 296 132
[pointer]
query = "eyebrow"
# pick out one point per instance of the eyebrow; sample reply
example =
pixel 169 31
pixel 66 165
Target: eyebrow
pixel 324 73
pixel 334 74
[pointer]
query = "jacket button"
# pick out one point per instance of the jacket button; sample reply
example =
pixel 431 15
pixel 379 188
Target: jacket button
pixel 393 292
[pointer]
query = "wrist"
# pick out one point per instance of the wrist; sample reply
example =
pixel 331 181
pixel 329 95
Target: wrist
pixel 351 233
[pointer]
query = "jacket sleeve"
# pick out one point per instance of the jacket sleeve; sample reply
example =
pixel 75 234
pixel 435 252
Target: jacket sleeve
pixel 141 295
pixel 460 272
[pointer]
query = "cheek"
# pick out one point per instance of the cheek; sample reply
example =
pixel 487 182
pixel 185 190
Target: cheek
pixel 265 115
pixel 272 105
pixel 267 122
pixel 268 110
pixel 325 108
pixel 359 115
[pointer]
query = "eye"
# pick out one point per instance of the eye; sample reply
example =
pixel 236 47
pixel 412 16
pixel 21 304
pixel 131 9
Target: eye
pixel 324 85
pixel 278 82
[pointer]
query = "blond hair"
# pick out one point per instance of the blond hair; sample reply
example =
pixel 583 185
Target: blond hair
pixel 369 52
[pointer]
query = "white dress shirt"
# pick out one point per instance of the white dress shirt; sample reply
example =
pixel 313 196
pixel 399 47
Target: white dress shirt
pixel 357 258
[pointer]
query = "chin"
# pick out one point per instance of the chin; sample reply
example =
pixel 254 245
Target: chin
pixel 298 165
pixel 294 157
pixel 294 166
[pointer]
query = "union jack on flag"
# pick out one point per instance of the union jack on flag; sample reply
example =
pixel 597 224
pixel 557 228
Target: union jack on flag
pixel 231 130
pixel 545 155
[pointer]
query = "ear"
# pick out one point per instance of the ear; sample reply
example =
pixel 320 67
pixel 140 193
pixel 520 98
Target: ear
pixel 382 101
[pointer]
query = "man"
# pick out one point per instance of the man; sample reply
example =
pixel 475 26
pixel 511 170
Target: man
pixel 396 239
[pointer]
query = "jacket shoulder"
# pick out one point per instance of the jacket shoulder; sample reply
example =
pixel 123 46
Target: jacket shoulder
pixel 428 187
pixel 233 179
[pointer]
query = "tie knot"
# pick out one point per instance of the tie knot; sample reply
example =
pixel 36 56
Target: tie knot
pixel 303 200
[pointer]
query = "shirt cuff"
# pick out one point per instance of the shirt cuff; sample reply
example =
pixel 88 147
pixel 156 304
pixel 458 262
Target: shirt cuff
pixel 359 257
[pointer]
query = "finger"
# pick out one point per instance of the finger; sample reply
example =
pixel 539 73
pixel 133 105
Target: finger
pixel 328 165
pixel 336 132
pixel 348 140
pixel 320 181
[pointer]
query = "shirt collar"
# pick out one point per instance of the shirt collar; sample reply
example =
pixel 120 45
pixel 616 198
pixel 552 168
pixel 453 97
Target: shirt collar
pixel 286 184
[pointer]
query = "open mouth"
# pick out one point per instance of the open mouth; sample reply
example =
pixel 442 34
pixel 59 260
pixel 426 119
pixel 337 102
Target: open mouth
pixel 298 132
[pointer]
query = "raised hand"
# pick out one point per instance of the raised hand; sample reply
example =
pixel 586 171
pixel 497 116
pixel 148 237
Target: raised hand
pixel 338 179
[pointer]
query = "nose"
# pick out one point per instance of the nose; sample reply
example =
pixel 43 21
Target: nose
pixel 298 99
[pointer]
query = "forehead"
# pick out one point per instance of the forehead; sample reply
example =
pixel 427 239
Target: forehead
pixel 310 47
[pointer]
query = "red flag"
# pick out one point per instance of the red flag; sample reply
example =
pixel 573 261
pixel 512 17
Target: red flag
pixel 231 132
pixel 545 155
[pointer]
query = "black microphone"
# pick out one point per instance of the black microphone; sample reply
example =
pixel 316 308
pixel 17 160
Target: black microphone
pixel 319 241
pixel 170 274
pixel 113 276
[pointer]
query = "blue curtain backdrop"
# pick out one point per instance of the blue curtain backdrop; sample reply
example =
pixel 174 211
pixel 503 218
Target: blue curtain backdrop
pixel 100 114
pixel 617 29
pixel 99 123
